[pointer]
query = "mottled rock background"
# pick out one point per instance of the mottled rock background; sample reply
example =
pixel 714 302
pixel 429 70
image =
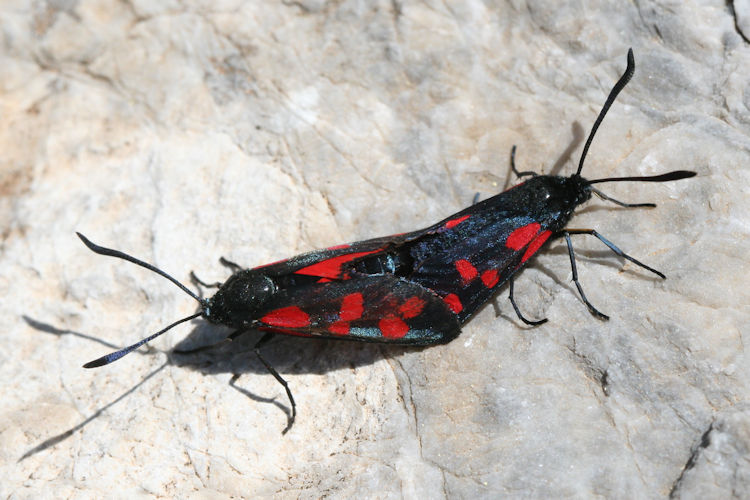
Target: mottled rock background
pixel 184 131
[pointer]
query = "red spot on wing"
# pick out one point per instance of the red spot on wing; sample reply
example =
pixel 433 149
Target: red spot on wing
pixel 467 271
pixel 535 245
pixel 393 328
pixel 522 236
pixel 455 222
pixel 339 328
pixel 351 307
pixel 490 278
pixel 287 317
pixel 453 302
pixel 411 308
pixel 331 268
pixel 339 247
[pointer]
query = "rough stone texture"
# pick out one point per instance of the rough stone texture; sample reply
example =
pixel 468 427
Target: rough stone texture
pixel 257 130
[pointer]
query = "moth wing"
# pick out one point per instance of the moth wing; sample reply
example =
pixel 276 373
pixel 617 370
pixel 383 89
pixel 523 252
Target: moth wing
pixel 381 308
pixel 469 271
pixel 329 262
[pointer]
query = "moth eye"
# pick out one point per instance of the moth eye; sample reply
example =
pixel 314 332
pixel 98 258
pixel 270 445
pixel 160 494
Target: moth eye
pixel 261 288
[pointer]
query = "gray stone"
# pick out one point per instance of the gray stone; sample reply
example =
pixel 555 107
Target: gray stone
pixel 181 133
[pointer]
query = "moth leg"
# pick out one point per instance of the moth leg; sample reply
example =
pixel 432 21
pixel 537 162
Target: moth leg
pixel 615 249
pixel 513 165
pixel 513 169
pixel 234 267
pixel 518 311
pixel 256 349
pixel 224 262
pixel 202 283
pixel 592 309
pixel 620 203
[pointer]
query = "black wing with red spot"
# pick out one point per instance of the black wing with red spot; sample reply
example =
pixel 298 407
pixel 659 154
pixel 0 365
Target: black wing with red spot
pixel 334 263
pixel 371 309
pixel 467 273
pixel 339 262
pixel 465 258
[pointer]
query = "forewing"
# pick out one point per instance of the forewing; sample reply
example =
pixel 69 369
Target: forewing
pixel 467 266
pixel 380 308
pixel 331 263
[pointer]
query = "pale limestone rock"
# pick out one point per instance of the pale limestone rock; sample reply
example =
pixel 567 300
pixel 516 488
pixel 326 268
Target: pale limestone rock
pixel 258 130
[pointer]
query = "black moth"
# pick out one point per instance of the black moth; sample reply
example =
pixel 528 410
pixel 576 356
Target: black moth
pixel 415 288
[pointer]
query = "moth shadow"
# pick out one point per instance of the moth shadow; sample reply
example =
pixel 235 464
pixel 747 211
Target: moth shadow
pixel 577 137
pixel 288 355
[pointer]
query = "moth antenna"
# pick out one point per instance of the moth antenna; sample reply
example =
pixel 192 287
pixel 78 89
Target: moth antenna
pixel 109 358
pixel 114 356
pixel 675 175
pixel 121 255
pixel 624 79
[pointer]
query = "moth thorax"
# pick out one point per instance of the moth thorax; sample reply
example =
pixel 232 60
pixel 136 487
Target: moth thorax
pixel 240 298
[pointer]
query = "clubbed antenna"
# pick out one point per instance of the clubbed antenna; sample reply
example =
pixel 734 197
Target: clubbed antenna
pixel 109 358
pixel 675 175
pixel 624 79
pixel 121 255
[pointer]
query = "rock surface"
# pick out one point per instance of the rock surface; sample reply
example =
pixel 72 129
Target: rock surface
pixel 258 130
